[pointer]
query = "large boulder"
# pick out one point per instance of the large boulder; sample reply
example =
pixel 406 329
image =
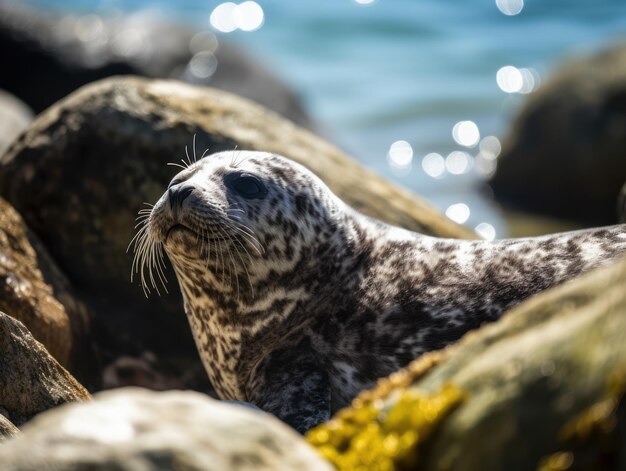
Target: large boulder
pixel 543 388
pixel 565 154
pixel 71 50
pixel 87 165
pixel 138 430
pixel 35 292
pixel 31 381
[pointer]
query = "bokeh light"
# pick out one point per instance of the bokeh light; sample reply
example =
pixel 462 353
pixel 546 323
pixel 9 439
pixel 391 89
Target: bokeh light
pixel 490 147
pixel 248 16
pixel 458 212
pixel 486 231
pixel 458 162
pixel 510 79
pixel 400 154
pixel 223 17
pixel 510 7
pixel 466 133
pixel 434 165
pixel 228 17
pixel 202 65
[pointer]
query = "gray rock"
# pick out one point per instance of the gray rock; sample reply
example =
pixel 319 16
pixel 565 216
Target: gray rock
pixel 14 118
pixel 544 385
pixel 35 292
pixel 72 50
pixel 7 429
pixel 137 430
pixel 87 165
pixel 565 155
pixel 31 381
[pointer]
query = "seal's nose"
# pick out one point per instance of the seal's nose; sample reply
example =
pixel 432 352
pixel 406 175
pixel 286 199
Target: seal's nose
pixel 177 194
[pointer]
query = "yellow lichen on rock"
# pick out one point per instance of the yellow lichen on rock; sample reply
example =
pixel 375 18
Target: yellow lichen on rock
pixel 374 436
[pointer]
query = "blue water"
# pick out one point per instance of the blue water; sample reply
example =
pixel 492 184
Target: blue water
pixel 407 69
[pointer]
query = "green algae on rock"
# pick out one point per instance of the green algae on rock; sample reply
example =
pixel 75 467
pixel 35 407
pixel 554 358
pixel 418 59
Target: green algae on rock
pixel 384 437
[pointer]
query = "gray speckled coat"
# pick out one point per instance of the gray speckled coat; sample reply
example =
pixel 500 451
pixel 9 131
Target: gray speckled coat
pixel 297 302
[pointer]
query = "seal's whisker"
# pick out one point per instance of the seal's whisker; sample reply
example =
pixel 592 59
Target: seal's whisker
pixel 174 164
pixel 142 223
pixel 243 230
pixel 231 266
pixel 188 158
pixel 184 163
pixel 204 153
pixel 248 237
pixel 135 238
pixel 148 204
pixel 243 263
pixel 195 158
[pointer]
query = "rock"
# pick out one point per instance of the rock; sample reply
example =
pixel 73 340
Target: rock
pixel 7 429
pixel 544 386
pixel 50 311
pixel 31 381
pixel 137 430
pixel 564 155
pixel 72 50
pixel 14 118
pixel 86 166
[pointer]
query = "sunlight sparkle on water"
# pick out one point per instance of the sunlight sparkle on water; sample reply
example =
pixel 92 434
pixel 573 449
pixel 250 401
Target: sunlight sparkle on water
pixel 400 154
pixel 248 16
pixel 203 64
pixel 458 162
pixel 486 231
pixel 364 2
pixel 490 147
pixel 466 133
pixel 434 165
pixel 510 7
pixel 228 17
pixel 513 80
pixel 458 212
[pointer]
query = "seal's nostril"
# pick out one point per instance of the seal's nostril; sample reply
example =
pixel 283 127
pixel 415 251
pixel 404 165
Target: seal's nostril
pixel 177 194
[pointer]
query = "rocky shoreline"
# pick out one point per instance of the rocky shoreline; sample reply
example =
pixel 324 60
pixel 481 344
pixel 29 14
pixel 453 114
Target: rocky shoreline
pixel 543 388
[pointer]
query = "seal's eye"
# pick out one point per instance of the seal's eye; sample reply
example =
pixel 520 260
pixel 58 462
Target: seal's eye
pixel 247 186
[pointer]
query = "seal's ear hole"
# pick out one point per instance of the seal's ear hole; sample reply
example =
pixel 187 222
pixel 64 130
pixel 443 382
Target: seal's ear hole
pixel 246 185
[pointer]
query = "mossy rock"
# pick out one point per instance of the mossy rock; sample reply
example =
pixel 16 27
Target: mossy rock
pixel 542 387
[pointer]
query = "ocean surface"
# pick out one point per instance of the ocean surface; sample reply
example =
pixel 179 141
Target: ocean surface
pixel 407 71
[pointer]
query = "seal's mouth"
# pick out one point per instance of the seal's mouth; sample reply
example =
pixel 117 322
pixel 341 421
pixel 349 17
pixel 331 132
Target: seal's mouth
pixel 178 229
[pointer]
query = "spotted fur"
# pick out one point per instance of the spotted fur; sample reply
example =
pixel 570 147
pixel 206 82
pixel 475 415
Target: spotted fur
pixel 297 302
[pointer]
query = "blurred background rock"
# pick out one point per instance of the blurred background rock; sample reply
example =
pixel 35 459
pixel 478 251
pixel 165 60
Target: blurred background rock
pixel 422 92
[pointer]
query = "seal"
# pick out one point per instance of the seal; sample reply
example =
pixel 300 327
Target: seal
pixel 297 302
